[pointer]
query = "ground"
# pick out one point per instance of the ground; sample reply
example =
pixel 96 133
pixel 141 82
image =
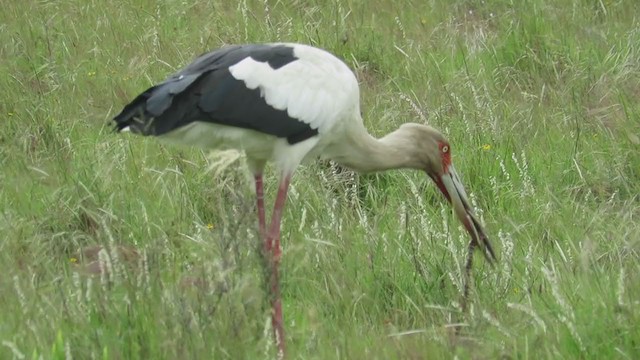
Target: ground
pixel 119 247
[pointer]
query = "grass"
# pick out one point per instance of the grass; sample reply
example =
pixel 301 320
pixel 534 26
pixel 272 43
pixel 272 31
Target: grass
pixel 539 100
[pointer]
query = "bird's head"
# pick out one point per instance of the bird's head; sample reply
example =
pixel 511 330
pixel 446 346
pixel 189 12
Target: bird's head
pixel 432 153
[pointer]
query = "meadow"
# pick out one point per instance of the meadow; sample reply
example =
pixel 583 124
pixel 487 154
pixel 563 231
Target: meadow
pixel 539 99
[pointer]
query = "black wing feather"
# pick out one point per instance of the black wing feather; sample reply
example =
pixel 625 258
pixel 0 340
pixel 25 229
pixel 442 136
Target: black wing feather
pixel 206 91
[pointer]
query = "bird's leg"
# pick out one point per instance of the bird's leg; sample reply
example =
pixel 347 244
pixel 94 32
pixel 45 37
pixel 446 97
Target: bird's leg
pixel 272 242
pixel 260 201
pixel 273 238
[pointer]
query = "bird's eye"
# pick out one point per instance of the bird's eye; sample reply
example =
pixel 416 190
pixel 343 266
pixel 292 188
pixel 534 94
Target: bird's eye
pixel 445 148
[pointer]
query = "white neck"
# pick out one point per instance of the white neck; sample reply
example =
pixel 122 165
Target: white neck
pixel 364 153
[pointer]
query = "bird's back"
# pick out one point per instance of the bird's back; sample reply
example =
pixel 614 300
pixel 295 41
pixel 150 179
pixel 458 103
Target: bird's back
pixel 287 91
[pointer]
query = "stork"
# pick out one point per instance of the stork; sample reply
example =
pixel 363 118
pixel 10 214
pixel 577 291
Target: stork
pixel 286 103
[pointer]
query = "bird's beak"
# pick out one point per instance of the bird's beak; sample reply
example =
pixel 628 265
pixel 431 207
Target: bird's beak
pixel 450 185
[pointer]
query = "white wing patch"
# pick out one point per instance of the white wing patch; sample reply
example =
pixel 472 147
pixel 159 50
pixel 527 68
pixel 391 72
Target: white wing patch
pixel 318 88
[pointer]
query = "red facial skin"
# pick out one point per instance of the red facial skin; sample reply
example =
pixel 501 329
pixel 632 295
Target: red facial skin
pixel 445 150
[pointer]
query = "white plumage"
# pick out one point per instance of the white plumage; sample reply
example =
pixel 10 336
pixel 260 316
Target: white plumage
pixel 318 88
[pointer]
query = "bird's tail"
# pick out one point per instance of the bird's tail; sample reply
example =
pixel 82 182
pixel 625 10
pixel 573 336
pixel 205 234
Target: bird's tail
pixel 134 117
pixel 162 108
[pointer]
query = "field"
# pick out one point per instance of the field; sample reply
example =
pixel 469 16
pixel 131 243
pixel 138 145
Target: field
pixel 539 99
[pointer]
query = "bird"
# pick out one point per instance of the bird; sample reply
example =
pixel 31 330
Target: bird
pixel 285 104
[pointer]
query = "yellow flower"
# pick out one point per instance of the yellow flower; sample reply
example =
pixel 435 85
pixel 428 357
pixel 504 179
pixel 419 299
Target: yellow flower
pixel 91 73
pixel 210 226
pixel 486 147
pixel 73 260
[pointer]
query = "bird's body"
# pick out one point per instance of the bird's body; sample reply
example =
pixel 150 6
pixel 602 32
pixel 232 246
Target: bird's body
pixel 284 103
pixel 277 104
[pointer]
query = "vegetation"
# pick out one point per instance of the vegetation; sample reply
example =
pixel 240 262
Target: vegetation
pixel 120 247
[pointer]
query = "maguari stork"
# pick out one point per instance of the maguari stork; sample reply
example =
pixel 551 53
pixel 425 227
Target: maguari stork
pixel 287 103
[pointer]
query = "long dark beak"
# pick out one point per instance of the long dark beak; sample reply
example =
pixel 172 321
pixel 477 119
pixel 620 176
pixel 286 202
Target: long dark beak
pixel 450 185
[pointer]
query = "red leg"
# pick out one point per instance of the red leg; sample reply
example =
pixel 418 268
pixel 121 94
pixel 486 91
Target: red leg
pixel 273 243
pixel 260 200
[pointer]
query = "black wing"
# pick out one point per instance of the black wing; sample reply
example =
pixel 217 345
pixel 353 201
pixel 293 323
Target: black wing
pixel 206 91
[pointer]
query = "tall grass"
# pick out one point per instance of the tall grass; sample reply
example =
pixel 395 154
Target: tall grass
pixel 121 247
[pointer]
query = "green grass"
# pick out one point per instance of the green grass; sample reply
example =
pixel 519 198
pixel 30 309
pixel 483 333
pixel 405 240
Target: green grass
pixel 539 100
